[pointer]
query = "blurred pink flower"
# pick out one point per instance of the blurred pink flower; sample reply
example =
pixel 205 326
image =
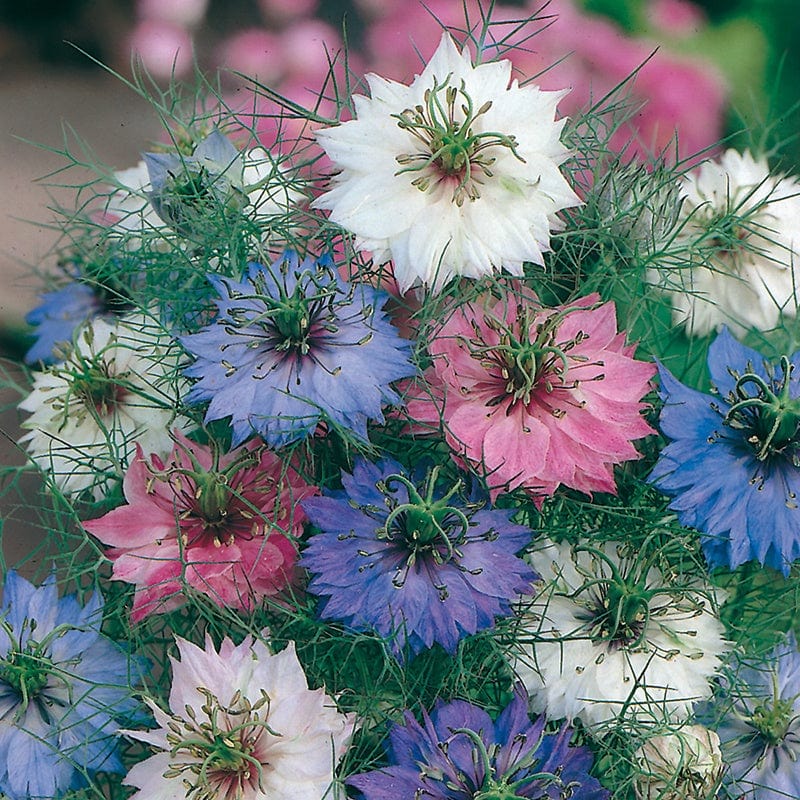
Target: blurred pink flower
pixel 280 12
pixel 255 52
pixel 184 13
pixel 533 397
pixel 675 17
pixel 567 47
pixel 165 49
pixel 223 525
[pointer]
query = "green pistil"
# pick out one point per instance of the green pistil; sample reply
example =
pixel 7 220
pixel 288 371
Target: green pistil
pixel 526 362
pixel 451 148
pixel 27 671
pixel 773 717
pixel 213 496
pixel 426 526
pixel 221 754
pixel 293 322
pixel 99 391
pixel 772 417
pixel 624 613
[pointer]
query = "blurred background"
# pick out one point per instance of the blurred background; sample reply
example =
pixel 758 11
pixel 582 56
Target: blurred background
pixel 705 70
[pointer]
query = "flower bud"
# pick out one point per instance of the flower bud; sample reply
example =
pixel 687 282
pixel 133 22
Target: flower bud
pixel 685 764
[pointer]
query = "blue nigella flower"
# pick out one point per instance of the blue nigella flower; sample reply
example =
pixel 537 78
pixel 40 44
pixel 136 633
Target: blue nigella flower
pixel 293 344
pixel 416 565
pixel 757 719
pixel 187 191
pixel 458 753
pixel 64 690
pixel 57 317
pixel 732 466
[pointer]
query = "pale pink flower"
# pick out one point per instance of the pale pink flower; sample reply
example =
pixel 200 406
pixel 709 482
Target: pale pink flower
pixel 533 397
pixel 166 49
pixel 242 725
pixel 224 525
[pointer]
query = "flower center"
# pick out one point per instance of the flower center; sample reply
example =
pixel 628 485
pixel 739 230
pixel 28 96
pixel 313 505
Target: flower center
pixel 527 356
pixel 26 671
pixel 770 418
pixel 293 320
pixel 451 149
pixel 220 758
pixel 772 719
pixel 194 196
pixel 521 774
pixel 99 391
pixel 212 496
pixel 425 527
pixel 622 614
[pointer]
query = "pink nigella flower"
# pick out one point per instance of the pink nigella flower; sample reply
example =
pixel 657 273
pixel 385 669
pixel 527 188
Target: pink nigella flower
pixel 221 524
pixel 533 397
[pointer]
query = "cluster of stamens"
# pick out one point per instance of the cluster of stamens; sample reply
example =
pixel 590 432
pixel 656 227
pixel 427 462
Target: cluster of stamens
pixel 209 497
pixel 293 322
pixel 527 356
pixel 218 756
pixel 451 149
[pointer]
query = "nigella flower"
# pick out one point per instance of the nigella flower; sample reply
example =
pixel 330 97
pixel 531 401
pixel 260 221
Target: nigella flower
pixel 119 384
pixel 459 753
pixel 415 564
pixel 533 397
pixel 218 184
pixel 456 174
pixel 223 524
pixel 604 635
pixel 242 725
pixel 64 691
pixel 739 225
pixel 293 345
pixel 56 319
pixel 732 466
pixel 685 763
pixel 757 717
pixel 94 290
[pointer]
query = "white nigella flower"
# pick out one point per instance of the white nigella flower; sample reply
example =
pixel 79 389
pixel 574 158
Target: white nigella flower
pixel 118 385
pixel 739 222
pixel 683 764
pixel 243 725
pixel 456 174
pixel 605 637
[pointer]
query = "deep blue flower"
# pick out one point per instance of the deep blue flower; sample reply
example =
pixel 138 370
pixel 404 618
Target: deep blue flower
pixel 57 317
pixel 458 753
pixel 732 466
pixel 64 690
pixel 416 565
pixel 757 717
pixel 293 344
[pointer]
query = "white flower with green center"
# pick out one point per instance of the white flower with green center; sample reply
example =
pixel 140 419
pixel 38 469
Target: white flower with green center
pixel 739 224
pixel 606 636
pixel 242 725
pixel 118 385
pixel 456 174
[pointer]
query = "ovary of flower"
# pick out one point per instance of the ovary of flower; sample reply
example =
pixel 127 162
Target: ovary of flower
pixel 456 174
